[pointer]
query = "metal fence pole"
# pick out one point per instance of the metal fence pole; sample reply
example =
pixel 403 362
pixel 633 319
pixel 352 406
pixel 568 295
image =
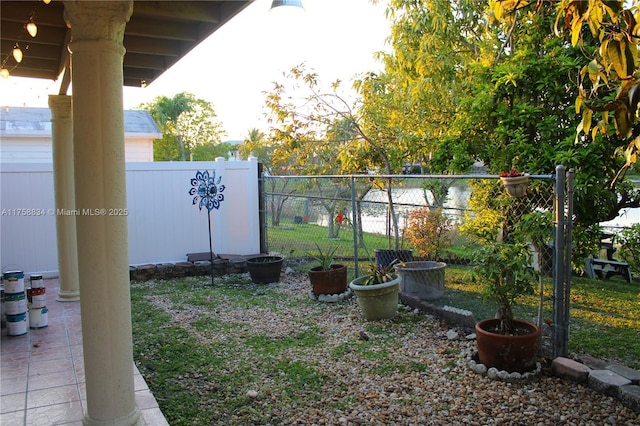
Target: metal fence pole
pixel 567 257
pixel 354 222
pixel 262 212
pixel 559 302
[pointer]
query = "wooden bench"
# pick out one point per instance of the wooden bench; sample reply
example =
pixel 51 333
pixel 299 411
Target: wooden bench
pixel 605 268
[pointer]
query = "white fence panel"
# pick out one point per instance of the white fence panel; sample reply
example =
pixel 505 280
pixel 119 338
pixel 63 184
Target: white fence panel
pixel 27 220
pixel 164 225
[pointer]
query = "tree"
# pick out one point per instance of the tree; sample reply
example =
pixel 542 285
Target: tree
pixel 257 144
pixel 305 127
pixel 502 94
pixel 603 34
pixel 185 119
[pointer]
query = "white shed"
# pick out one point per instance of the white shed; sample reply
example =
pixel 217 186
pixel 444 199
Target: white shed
pixel 25 135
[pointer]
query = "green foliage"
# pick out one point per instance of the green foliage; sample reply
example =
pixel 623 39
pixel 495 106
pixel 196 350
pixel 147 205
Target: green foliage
pixel 210 151
pixel 605 319
pixel 586 243
pixel 185 120
pixel 455 90
pixel 629 240
pixel 506 272
pixel 428 232
pixel 166 149
pixel 377 274
pixel 487 203
pixel 324 258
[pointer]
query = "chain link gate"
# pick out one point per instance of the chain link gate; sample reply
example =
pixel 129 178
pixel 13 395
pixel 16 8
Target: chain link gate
pixel 359 214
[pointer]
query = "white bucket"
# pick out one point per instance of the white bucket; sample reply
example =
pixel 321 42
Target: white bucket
pixel 38 318
pixel 17 324
pixel 15 304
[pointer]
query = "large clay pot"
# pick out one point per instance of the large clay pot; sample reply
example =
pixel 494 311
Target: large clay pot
pixel 265 269
pixel 422 279
pixel 331 281
pixel 510 353
pixel 377 301
pixel 385 256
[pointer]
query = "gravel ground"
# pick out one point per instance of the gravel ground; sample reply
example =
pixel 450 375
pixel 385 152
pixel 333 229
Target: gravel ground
pixel 420 377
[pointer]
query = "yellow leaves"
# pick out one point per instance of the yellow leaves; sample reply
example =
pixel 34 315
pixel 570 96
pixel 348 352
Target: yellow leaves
pixel 576 28
pixel 619 54
pixel 578 105
pixel 594 70
pixel 594 21
pixel 623 120
pixel 503 10
pixel 508 78
pixel 616 58
pixel 587 115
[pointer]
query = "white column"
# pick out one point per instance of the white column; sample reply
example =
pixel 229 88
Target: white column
pixel 62 132
pixel 97 32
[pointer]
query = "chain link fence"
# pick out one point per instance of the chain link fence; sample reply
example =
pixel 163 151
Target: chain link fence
pixel 429 215
pixel 426 219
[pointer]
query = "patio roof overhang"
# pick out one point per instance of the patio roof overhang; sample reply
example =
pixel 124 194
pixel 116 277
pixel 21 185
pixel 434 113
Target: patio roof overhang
pixel 157 36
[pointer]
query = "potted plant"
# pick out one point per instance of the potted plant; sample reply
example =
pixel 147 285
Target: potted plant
pixel 428 231
pixel 265 269
pixel 377 292
pixel 327 277
pixel 515 182
pixel 504 342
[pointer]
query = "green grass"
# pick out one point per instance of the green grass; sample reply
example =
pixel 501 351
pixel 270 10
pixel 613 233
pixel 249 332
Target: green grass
pixel 297 239
pixel 201 362
pixel 605 314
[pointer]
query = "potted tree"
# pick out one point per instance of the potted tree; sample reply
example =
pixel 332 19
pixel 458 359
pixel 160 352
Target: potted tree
pixel 327 277
pixel 504 342
pixel 377 292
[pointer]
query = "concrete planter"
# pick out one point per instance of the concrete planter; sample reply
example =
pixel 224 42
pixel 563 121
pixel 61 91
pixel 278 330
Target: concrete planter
pixel 377 301
pixel 422 279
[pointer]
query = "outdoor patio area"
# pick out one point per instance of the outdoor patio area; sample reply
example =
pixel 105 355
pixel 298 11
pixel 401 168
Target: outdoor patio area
pixel 43 373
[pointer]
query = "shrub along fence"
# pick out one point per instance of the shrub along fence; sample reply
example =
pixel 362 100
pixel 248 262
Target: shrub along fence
pixel 431 216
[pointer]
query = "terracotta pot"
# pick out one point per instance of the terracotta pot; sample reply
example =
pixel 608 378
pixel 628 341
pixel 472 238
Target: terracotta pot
pixel 516 186
pixel 332 281
pixel 509 353
pixel 377 301
pixel 265 269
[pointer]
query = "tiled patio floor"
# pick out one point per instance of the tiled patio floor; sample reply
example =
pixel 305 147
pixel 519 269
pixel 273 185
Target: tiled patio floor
pixel 42 372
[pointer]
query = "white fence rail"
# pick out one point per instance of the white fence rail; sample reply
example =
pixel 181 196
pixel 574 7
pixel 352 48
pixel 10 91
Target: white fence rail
pixel 164 225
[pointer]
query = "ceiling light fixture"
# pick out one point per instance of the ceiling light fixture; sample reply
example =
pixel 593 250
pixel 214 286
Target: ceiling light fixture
pixel 4 73
pixel 296 3
pixel 46 1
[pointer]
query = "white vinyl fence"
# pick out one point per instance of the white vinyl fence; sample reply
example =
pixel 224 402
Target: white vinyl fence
pixel 164 225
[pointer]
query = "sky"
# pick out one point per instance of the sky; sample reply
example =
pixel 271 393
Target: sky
pixel 241 60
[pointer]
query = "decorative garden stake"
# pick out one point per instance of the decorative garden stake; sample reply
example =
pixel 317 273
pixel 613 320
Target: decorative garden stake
pixel 209 191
